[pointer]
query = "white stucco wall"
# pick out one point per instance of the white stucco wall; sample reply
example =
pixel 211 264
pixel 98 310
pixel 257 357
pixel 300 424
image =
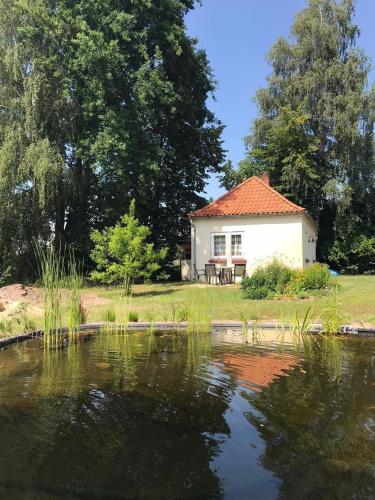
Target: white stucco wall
pixel 309 236
pixel 264 237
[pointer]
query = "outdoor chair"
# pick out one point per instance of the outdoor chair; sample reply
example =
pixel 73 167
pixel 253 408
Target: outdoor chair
pixel 199 272
pixel 239 271
pixel 212 274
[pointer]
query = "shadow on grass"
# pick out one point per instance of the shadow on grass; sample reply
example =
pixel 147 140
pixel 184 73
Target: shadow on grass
pixel 154 293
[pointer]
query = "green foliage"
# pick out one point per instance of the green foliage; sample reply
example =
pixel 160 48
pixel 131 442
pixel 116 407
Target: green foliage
pixel 284 144
pixel 314 277
pixel 109 315
pixel 300 326
pixel 354 256
pixel 183 314
pixel 25 323
pixel 77 314
pixel 332 317
pixel 122 253
pixel 276 278
pixel 267 281
pixel 100 102
pixel 314 135
pixel 51 272
pixel 5 274
pixel 133 316
pixel 6 327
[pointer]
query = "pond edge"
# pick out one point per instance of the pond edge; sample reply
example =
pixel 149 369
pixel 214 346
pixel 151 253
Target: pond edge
pixel 169 325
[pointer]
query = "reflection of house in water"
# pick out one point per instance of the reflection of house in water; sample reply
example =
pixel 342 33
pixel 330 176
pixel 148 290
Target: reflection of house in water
pixel 258 371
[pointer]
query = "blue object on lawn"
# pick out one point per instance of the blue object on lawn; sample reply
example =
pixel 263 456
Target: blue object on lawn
pixel 333 272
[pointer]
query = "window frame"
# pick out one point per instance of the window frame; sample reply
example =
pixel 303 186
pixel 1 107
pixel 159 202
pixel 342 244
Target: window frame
pixel 228 244
pixel 213 245
pixel 237 233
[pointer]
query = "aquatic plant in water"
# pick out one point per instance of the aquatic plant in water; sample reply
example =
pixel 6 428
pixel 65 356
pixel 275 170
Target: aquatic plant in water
pixel 76 313
pixel 332 317
pixel 109 315
pixel 200 311
pixel 50 263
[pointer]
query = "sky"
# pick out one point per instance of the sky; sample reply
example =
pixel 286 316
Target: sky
pixel 236 35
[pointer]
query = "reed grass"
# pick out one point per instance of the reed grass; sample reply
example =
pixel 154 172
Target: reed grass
pixel 200 311
pixel 109 315
pixel 150 316
pixel 332 317
pixel 76 313
pixel 51 270
pixel 331 355
pixel 198 351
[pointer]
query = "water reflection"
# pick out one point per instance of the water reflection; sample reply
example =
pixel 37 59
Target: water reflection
pixel 174 415
pixel 318 424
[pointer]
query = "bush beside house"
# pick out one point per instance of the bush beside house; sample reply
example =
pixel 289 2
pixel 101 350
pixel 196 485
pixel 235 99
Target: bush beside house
pixel 276 279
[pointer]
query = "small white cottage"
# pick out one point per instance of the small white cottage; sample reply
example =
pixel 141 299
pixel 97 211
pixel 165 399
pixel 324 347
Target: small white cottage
pixel 250 225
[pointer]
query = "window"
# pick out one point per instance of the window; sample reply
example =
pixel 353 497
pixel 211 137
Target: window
pixel 219 245
pixel 236 245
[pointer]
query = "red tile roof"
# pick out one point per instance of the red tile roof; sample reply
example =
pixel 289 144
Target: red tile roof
pixel 251 197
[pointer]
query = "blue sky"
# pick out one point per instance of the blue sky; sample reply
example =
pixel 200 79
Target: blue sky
pixel 236 35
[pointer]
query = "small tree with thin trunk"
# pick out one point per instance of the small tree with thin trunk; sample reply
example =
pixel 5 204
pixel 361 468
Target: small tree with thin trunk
pixel 122 253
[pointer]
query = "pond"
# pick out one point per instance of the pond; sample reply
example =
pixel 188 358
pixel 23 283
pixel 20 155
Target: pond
pixel 160 415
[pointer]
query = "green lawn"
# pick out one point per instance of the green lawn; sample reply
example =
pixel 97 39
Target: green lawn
pixel 357 296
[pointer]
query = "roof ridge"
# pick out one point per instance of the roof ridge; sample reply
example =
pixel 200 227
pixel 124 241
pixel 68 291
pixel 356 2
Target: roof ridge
pixel 275 199
pixel 224 195
pixel 274 191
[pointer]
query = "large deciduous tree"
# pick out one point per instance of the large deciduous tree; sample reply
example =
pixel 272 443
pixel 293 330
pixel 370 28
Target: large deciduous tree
pixel 314 134
pixel 101 101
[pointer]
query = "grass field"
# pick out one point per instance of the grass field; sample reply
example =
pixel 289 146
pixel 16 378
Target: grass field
pixel 173 301
pixel 356 293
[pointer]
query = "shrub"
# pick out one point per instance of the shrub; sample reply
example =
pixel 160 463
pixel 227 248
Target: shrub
pixel 314 277
pixel 133 316
pixel 267 281
pixel 183 314
pixel 122 252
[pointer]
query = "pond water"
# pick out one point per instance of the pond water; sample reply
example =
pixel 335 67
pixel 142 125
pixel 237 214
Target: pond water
pixel 226 415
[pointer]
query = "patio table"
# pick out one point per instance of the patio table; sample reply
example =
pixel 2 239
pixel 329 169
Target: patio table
pixel 226 275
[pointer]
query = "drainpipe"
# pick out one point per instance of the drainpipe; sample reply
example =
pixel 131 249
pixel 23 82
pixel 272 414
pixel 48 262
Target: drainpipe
pixel 193 250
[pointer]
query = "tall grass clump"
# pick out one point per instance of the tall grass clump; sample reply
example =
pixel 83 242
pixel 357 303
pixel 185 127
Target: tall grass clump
pixel 76 313
pixel 24 322
pixel 301 325
pixel 332 317
pixel 50 264
pixel 6 327
pixel 109 319
pixel 133 316
pixel 199 315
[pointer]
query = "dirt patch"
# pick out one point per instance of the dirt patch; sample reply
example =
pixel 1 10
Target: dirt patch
pixel 34 296
pixel 21 293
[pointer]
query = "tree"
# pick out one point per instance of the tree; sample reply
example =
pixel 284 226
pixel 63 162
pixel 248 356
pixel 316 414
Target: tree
pixel 100 102
pixel 289 155
pixel 315 129
pixel 121 252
